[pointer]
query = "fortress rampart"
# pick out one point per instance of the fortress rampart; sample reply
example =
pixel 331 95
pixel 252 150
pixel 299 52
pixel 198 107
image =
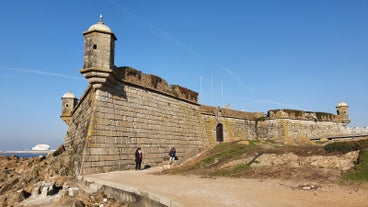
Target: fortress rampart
pixel 301 115
pixel 281 130
pixel 132 76
pixel 123 109
pixel 121 117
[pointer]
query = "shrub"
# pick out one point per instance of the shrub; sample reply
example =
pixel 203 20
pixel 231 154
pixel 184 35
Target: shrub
pixel 343 147
pixel 346 146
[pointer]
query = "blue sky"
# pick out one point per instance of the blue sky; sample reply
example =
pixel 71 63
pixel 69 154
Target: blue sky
pixel 254 55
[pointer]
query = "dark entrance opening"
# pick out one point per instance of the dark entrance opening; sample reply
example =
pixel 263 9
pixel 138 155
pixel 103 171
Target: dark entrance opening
pixel 219 133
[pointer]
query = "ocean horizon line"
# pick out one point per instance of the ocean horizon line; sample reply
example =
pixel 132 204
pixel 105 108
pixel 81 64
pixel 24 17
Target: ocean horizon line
pixel 26 151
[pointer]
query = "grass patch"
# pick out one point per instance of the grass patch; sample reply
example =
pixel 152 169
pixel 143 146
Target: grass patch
pixel 234 159
pixel 361 169
pixel 232 171
pixel 208 162
pixel 225 151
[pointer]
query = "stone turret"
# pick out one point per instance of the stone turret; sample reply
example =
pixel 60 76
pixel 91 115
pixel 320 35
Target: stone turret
pixel 342 110
pixel 99 52
pixel 69 101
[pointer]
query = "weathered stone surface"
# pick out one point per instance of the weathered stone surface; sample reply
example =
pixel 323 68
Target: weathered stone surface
pixel 279 129
pixel 341 162
pixel 40 184
pixel 120 119
pixel 277 159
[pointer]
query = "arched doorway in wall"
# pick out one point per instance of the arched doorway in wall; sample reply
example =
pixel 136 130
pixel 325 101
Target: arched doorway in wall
pixel 219 133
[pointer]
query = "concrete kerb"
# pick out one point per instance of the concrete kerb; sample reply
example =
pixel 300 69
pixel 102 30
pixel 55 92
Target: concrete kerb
pixel 125 193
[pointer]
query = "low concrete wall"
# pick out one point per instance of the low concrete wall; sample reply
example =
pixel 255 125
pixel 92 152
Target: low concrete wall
pixel 125 194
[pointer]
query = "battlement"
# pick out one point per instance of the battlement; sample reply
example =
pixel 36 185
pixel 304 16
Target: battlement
pixel 230 113
pixel 301 115
pixel 136 77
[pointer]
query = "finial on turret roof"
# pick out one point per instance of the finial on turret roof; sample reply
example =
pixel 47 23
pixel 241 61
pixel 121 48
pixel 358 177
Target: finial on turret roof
pixel 101 22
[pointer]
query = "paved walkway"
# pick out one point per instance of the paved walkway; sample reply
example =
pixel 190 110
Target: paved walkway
pixel 192 191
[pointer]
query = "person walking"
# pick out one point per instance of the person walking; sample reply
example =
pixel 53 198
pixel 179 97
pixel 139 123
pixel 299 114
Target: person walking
pixel 138 158
pixel 172 154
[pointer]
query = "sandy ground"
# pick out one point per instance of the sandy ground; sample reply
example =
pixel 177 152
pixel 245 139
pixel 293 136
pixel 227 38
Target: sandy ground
pixel 192 191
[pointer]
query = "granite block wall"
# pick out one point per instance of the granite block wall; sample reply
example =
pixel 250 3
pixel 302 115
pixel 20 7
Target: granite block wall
pixel 279 129
pixel 109 123
pixel 124 117
pixel 79 126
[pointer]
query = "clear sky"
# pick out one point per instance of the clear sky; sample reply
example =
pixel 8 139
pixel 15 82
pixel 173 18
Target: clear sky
pixel 254 55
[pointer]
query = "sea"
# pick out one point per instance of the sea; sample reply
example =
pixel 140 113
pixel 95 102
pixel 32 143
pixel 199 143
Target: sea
pixel 24 154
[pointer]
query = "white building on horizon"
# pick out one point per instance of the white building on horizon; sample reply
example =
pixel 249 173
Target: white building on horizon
pixel 41 147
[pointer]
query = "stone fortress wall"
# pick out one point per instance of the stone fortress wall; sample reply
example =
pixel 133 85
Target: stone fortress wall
pixel 133 112
pixel 123 109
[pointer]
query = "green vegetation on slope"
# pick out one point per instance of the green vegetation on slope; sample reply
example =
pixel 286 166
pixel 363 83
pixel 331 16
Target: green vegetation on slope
pixel 360 172
pixel 208 162
pixel 347 146
pixel 234 159
pixel 226 151
pixel 361 168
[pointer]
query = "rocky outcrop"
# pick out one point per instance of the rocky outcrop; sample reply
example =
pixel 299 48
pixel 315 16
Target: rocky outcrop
pixel 44 181
pixel 340 162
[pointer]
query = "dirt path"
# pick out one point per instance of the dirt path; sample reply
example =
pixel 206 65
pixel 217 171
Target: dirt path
pixel 192 191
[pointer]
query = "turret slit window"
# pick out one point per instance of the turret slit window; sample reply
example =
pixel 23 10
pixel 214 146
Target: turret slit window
pixel 94 46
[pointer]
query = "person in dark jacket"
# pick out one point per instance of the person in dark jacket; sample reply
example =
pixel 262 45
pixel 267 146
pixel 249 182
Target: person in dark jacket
pixel 138 158
pixel 172 154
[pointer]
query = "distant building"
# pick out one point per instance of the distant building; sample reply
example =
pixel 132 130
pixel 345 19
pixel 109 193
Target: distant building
pixel 41 147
